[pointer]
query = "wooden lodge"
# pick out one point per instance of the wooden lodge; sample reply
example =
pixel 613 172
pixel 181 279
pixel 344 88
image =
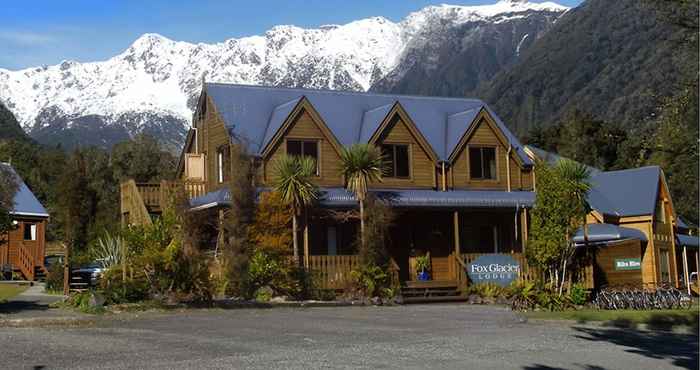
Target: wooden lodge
pixel 22 248
pixel 460 182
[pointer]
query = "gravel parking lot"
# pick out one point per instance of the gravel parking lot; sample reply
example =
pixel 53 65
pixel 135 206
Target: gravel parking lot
pixel 417 336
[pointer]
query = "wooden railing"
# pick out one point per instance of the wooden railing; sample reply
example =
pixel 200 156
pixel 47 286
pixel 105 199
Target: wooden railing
pixel 333 272
pixel 138 199
pixel 25 261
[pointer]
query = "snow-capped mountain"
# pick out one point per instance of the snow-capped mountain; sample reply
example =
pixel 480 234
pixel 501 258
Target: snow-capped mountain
pixel 152 86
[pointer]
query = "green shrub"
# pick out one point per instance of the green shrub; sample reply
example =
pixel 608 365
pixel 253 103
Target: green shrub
pixel 370 280
pixel 54 279
pixel 81 301
pixel 577 294
pixel 549 299
pixel 524 295
pixel 116 290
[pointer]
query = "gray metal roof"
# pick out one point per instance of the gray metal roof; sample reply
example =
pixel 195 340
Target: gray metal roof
pixel 254 113
pixel 602 233
pixel 26 203
pixel 341 198
pixel 688 240
pixel 553 158
pixel 630 192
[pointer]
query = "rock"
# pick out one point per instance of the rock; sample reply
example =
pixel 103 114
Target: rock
pixel 279 299
pixel 376 301
pixel 474 299
pixel 96 300
pixel 504 301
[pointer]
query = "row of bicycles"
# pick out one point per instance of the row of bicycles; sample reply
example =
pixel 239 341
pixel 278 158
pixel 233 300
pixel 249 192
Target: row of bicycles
pixel 663 296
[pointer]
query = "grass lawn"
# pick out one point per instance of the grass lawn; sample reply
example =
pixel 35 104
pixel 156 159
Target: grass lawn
pixel 8 291
pixel 655 319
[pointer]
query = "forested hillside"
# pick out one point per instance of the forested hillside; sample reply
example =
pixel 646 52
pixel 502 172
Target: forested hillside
pixel 9 127
pixel 617 60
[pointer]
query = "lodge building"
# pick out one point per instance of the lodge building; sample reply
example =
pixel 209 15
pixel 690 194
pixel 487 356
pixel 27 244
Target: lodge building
pixel 461 183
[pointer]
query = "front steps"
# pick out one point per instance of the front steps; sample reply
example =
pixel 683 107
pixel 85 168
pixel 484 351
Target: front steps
pixel 431 291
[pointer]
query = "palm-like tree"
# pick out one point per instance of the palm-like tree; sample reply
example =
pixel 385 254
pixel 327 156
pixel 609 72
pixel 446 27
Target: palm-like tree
pixel 294 185
pixel 577 176
pixel 360 165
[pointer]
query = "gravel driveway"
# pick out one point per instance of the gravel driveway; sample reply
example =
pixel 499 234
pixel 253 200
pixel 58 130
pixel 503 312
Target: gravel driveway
pixel 416 336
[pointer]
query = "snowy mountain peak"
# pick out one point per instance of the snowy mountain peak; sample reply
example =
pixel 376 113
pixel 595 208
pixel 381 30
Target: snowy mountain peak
pixel 159 77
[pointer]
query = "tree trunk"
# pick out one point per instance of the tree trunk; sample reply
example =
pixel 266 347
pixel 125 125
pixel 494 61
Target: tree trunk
pixel 362 223
pixel 294 237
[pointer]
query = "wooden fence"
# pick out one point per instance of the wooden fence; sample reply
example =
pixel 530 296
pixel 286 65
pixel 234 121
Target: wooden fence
pixel 333 272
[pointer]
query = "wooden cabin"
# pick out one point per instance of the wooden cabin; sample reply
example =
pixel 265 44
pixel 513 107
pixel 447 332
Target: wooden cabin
pixel 22 249
pixel 637 237
pixel 459 180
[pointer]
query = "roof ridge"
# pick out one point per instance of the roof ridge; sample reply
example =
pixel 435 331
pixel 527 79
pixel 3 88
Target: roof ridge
pixel 631 169
pixel 346 92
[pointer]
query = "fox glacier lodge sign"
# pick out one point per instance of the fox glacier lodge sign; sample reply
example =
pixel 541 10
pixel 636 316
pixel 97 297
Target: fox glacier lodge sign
pixel 499 269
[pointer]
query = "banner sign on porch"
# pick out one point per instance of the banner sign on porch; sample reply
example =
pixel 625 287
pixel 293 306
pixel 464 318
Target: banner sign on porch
pixel 499 269
pixel 623 264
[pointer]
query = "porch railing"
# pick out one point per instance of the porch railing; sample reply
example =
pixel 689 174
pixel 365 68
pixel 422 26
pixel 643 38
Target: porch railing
pixel 333 272
pixel 25 261
pixel 138 199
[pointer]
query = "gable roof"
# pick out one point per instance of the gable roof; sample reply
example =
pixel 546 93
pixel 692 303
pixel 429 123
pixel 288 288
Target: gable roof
pixel 26 203
pixel 553 158
pixel 631 192
pixel 253 114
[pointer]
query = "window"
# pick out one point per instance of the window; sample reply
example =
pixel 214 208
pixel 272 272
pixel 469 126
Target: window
pixel 396 160
pixel 29 231
pixel 306 148
pixel 220 165
pixel 482 163
pixel 660 214
pixel 664 261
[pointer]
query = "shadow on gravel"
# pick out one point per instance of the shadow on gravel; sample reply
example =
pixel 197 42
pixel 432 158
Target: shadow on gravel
pixel 545 367
pixel 22 306
pixel 681 349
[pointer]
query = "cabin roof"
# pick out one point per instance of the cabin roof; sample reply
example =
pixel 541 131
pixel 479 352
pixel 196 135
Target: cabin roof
pixel 630 192
pixel 26 203
pixel 626 193
pixel 602 233
pixel 254 113
pixel 688 240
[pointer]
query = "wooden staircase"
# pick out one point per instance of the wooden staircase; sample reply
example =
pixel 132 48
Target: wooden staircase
pixel 432 291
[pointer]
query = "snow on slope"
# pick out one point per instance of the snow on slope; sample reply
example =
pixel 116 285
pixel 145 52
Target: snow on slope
pixel 160 76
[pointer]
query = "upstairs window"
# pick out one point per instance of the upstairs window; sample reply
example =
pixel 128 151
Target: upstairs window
pixel 482 163
pixel 396 160
pixel 29 231
pixel 222 163
pixel 303 148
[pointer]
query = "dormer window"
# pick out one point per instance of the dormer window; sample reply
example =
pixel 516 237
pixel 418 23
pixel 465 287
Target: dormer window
pixel 304 148
pixel 482 163
pixel 396 160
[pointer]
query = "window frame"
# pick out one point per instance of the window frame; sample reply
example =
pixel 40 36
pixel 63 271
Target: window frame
pixel 318 143
pixel 469 162
pixel 33 231
pixel 409 154
pixel 220 165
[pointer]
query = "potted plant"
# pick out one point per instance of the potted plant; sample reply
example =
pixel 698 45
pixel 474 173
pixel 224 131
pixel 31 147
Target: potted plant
pixel 423 267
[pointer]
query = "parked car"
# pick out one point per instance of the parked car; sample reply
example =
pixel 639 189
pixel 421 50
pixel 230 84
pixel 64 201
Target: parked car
pixel 87 275
pixel 53 260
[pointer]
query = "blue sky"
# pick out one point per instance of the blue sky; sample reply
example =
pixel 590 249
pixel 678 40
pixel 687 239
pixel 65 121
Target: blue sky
pixel 38 32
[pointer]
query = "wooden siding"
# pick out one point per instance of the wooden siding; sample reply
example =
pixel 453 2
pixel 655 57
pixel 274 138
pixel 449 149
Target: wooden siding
pixel 213 135
pixel 304 127
pixel 484 136
pixel 25 255
pixel 605 273
pixel 422 168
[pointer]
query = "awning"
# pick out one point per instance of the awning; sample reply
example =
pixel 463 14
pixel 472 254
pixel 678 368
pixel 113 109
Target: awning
pixel 690 241
pixel 607 233
pixel 425 198
pixel 420 198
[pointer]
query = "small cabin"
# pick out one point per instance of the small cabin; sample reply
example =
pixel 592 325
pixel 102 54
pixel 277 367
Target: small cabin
pixel 22 249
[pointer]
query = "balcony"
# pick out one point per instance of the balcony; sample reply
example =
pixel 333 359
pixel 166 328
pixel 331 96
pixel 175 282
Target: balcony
pixel 140 200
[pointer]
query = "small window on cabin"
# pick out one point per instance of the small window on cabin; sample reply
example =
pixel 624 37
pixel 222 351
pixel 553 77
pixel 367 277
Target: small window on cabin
pixel 220 165
pixel 482 163
pixel 660 212
pixel 305 148
pixel 396 160
pixel 29 231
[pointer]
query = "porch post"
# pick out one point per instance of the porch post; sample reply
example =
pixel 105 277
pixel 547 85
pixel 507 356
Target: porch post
pixel 508 165
pixel 306 240
pixel 524 231
pixel 456 234
pixel 685 269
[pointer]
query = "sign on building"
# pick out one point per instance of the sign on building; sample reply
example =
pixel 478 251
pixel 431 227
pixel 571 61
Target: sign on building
pixel 624 264
pixel 499 269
